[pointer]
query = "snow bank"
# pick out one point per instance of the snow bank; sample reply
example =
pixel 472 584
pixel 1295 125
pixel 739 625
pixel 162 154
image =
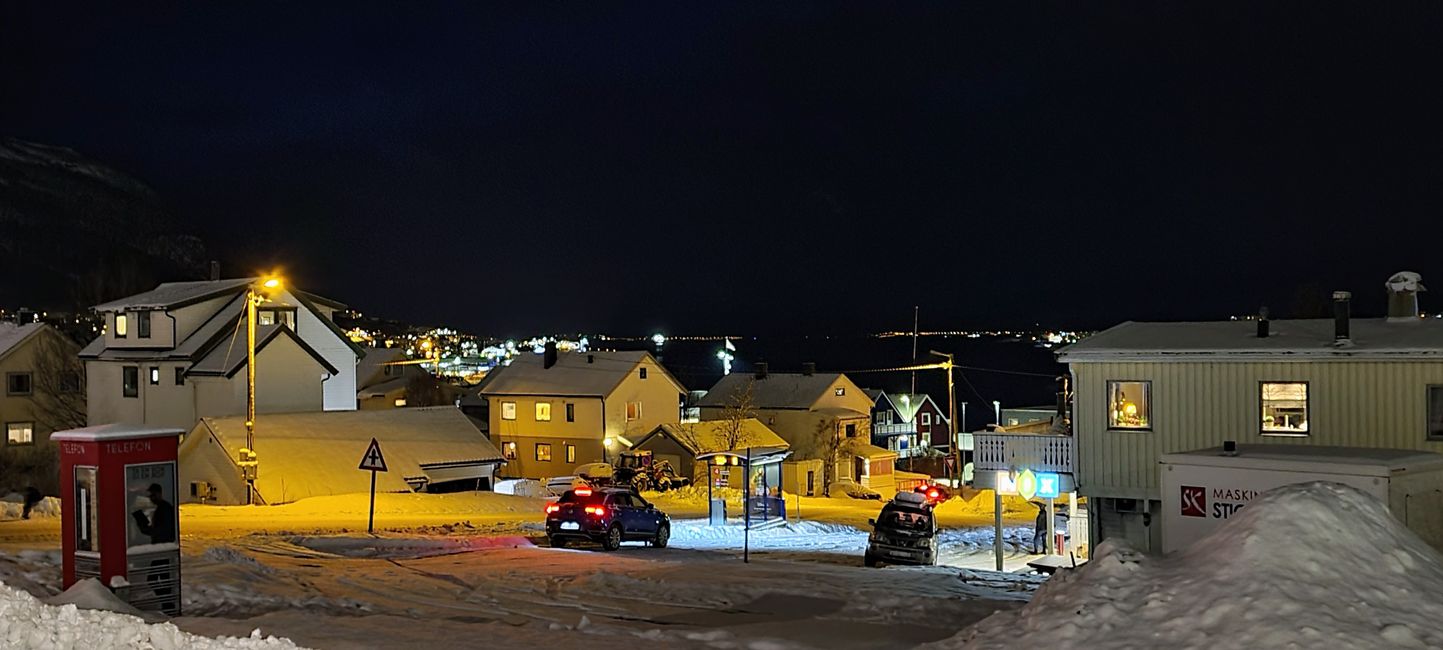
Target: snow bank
pixel 90 594
pixel 28 623
pixel 523 487
pixel 403 547
pixel 1309 565
pixel 12 506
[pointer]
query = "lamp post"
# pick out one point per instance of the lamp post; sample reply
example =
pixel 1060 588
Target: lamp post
pixel 952 418
pixel 255 295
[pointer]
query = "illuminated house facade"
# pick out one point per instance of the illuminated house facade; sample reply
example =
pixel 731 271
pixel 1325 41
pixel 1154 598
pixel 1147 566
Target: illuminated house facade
pixel 173 355
pixel 802 406
pixel 1146 389
pixel 550 412
pixel 907 423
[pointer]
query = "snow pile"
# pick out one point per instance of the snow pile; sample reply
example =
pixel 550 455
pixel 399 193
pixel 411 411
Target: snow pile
pixel 28 623
pixel 693 495
pixel 90 594
pixel 523 487
pixel 1309 565
pixel 12 506
pixel 35 572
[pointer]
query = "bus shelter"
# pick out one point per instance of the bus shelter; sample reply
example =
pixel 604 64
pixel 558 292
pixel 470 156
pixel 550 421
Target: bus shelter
pixel 761 467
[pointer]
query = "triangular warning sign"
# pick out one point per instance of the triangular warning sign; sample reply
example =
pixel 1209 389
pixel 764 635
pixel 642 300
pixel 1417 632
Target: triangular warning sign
pixel 373 460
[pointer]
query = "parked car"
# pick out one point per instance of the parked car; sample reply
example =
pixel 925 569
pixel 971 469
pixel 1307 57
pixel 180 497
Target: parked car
pixel 609 516
pixel 904 533
pixel 559 485
pixel 934 493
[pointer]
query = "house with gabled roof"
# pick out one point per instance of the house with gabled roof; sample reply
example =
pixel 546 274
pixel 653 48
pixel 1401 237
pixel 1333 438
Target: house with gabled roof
pixel 908 423
pixel 802 408
pixel 680 444
pixel 177 353
pixel 32 404
pixel 429 449
pixel 551 412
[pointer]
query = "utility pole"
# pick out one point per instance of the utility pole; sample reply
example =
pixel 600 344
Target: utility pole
pixel 952 418
pixel 252 298
pixel 914 347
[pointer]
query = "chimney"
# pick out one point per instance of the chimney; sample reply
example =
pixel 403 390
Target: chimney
pixel 809 368
pixel 1403 290
pixel 214 270
pixel 1263 323
pixel 761 370
pixel 548 356
pixel 1341 310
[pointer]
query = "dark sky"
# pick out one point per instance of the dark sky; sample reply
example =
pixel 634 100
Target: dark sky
pixel 769 167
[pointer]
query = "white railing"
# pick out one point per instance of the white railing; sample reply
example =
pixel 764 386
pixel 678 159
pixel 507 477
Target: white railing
pixel 1040 452
pixel 897 428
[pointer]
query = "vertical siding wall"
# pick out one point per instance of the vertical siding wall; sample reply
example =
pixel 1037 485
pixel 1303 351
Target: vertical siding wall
pixel 1201 404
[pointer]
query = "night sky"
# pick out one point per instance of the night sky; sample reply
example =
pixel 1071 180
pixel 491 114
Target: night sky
pixel 772 167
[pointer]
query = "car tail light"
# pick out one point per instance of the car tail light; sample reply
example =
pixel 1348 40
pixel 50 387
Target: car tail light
pixel 933 494
pixel 552 508
pixel 595 510
pixel 583 492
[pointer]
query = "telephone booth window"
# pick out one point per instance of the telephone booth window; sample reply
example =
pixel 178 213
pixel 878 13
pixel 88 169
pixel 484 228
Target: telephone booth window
pixel 87 537
pixel 152 520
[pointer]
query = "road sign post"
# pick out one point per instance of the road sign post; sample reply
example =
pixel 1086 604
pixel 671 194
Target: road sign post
pixel 374 462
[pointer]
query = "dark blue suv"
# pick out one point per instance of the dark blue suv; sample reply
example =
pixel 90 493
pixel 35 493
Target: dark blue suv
pixel 606 515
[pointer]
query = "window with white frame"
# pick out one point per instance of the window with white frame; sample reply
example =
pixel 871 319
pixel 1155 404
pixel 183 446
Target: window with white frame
pixel 570 453
pixel 840 391
pixel 1284 408
pixel 926 419
pixel 508 451
pixel 1129 405
pixel 19 433
pixel 142 324
pixel 543 411
pixel 508 410
pixel 122 326
pixel 633 411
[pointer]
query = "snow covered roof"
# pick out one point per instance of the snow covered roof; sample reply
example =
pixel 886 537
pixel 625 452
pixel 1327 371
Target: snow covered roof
pixel 229 357
pixel 778 390
pixel 12 335
pixel 371 369
pixel 907 405
pixel 168 295
pixel 1287 338
pixel 313 454
pixel 709 436
pixel 1311 458
pixel 576 374
pixel 115 431
pixel 861 447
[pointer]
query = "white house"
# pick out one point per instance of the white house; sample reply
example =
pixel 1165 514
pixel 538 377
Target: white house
pixel 177 353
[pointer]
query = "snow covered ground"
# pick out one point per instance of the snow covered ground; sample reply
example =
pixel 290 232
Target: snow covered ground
pixel 1310 565
pixel 452 569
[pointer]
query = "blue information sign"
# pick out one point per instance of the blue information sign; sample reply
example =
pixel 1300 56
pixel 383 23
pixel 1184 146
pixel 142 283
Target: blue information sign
pixel 1049 485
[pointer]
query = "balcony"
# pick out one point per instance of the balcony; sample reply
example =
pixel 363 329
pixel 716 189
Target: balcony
pixel 895 429
pixel 1039 452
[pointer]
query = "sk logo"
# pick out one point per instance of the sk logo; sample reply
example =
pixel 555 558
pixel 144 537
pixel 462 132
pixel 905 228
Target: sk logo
pixel 1194 501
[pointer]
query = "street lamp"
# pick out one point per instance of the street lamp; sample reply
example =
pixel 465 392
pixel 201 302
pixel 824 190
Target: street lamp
pixel 257 293
pixel 952 416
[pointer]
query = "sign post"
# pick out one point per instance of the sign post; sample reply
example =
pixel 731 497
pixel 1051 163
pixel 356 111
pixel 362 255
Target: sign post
pixel 375 462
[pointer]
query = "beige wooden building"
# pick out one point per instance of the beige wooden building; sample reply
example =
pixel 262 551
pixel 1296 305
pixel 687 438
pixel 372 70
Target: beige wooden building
pixel 1146 389
pixel 551 412
pixel 32 405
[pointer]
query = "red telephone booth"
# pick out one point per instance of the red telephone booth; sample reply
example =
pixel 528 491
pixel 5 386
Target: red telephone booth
pixel 120 524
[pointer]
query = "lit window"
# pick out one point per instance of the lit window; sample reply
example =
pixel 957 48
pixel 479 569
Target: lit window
pixel 130 381
pixel 1284 408
pixel 643 373
pixel 509 450
pixel 570 412
pixel 122 326
pixel 1435 412
pixel 633 411
pixel 543 451
pixel 400 401
pixel 840 391
pixel 543 411
pixel 1129 405
pixel 142 324
pixel 20 433
pixel 508 410
pixel 18 383
pixel 570 453
pixel 154 376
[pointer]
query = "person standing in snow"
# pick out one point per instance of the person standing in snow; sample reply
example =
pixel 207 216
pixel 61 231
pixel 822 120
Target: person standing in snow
pixel 32 499
pixel 1039 529
pixel 160 526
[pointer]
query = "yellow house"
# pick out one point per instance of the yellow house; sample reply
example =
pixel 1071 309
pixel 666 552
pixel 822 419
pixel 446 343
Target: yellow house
pixel 33 403
pixel 679 444
pixel 551 412
pixel 805 407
